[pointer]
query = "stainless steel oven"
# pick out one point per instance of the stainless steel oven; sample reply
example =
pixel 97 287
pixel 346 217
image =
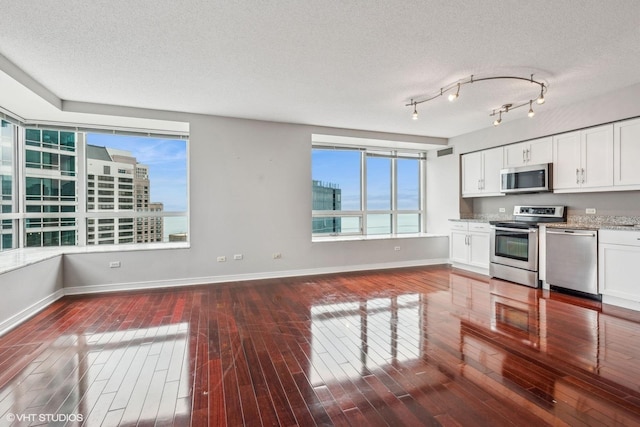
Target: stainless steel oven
pixel 514 244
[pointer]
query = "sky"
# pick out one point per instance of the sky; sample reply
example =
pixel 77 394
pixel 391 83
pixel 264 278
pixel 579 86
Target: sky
pixel 167 161
pixel 342 167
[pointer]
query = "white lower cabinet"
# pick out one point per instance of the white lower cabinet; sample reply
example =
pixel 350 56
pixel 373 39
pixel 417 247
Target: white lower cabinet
pixel 619 267
pixel 469 246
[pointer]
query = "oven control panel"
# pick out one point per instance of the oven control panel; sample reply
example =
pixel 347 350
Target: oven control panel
pixel 544 211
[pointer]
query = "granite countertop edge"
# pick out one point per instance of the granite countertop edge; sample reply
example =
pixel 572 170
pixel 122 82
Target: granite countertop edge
pixel 567 225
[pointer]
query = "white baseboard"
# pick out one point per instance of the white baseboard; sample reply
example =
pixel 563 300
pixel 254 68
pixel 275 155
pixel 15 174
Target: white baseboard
pixel 473 269
pixel 159 284
pixel 17 319
pixel 620 302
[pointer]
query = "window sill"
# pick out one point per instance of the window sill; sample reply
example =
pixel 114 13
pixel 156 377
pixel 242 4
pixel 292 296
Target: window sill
pixel 319 239
pixel 17 258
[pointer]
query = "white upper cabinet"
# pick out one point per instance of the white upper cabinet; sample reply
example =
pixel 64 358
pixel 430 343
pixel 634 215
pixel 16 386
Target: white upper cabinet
pixel 481 173
pixel 534 152
pixel 626 154
pixel 471 174
pixel 583 160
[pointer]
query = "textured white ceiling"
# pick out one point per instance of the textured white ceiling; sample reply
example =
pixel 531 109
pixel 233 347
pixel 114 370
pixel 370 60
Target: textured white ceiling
pixel 341 63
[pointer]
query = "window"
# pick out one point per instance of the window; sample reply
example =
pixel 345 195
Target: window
pixel 66 191
pixel 150 171
pixel 359 191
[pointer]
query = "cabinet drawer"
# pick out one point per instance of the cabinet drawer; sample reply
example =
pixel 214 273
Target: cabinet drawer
pixel 619 237
pixel 479 226
pixel 459 225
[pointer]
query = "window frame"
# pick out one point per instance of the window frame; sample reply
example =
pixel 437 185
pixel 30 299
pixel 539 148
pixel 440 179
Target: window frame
pixel 364 212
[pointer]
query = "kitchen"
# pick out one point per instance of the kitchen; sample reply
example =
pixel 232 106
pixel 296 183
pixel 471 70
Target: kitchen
pixel 585 183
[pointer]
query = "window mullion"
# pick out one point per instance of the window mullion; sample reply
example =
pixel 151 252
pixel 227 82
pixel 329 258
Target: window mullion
pixel 394 195
pixel 21 191
pixel 422 185
pixel 81 189
pixel 363 191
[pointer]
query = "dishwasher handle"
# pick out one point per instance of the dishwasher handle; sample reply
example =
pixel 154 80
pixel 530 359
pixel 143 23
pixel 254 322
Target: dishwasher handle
pixel 573 233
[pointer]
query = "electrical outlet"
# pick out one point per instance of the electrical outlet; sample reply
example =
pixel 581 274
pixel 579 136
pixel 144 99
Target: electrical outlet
pixel 114 264
pixel 277 255
pixel 502 210
pixel 222 259
pixel 590 211
pixel 237 257
pixel 397 248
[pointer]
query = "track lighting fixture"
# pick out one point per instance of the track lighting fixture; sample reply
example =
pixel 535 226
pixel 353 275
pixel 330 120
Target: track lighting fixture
pixel 504 109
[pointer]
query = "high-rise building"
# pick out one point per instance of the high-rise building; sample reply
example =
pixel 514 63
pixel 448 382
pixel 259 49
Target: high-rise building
pixel 117 182
pixel 326 197
pixel 50 187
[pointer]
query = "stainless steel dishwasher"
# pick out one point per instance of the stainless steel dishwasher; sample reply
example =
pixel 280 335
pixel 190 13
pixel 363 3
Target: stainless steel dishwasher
pixel 572 259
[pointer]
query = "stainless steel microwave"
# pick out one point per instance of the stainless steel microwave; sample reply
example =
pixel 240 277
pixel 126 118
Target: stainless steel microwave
pixel 526 179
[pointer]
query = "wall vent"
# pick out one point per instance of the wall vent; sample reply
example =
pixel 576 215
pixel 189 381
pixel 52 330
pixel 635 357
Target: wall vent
pixel 445 152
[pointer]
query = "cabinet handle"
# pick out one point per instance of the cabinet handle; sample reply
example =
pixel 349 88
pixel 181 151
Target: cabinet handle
pixel 524 155
pixel 583 176
pixel 528 155
pixel 577 176
pixel 478 184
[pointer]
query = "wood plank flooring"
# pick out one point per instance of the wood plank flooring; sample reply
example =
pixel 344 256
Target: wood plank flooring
pixel 419 346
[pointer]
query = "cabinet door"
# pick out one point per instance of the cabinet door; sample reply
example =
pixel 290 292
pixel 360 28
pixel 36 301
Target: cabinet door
pixel 566 161
pixel 597 157
pixel 479 249
pixel 491 170
pixel 626 153
pixel 619 270
pixel 515 155
pixel 540 151
pixel 459 247
pixel 471 173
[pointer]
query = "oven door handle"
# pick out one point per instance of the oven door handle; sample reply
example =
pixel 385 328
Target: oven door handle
pixel 573 233
pixel 515 230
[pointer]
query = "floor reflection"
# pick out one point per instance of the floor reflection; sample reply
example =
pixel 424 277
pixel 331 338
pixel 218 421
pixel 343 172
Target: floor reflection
pixel 111 378
pixel 351 339
pixel 549 350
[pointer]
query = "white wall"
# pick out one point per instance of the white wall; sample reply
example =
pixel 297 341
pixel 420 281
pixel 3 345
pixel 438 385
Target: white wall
pixel 28 289
pixel 443 182
pixel 250 194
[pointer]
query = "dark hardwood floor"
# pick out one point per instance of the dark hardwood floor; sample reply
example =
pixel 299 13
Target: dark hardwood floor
pixel 419 346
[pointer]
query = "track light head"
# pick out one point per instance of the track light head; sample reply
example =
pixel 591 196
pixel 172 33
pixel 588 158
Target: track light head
pixel 531 112
pixel 414 116
pixel 454 96
pixel 497 121
pixel 540 99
